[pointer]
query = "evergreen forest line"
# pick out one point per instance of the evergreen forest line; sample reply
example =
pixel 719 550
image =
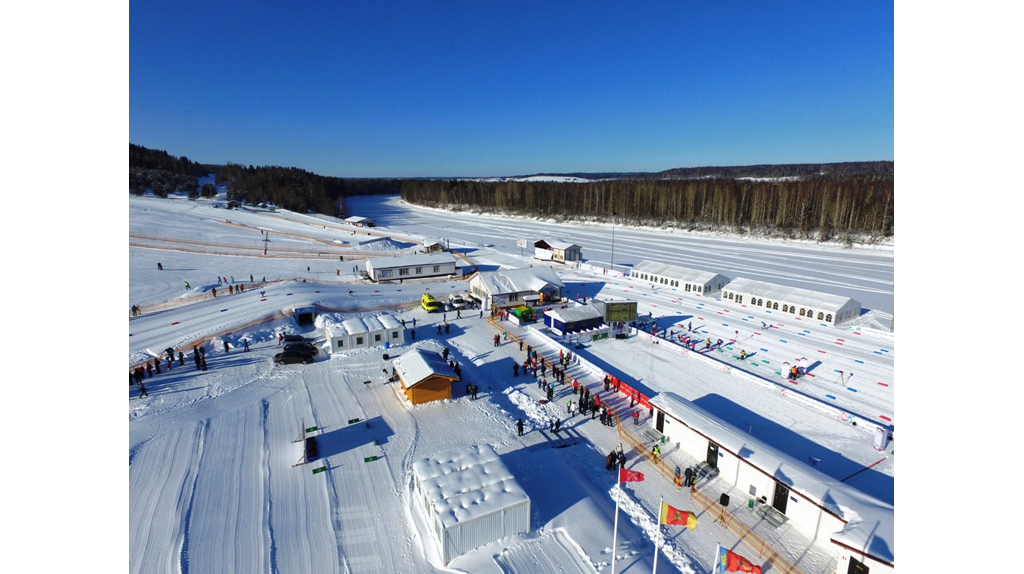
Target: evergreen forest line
pixel 822 208
pixel 846 202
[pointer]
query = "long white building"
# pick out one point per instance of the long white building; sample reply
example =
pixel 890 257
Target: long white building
pixel 796 302
pixel 411 266
pixel 688 280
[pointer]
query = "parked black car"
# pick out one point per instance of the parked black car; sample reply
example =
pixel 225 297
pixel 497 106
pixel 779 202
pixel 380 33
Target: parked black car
pixel 294 356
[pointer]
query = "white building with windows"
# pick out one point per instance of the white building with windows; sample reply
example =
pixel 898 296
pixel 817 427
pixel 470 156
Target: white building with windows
pixel 515 287
pixel 859 528
pixel 365 332
pixel 681 278
pixel 791 301
pixel 411 266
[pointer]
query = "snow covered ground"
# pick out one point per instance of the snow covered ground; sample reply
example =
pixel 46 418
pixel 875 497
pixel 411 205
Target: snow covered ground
pixel 212 486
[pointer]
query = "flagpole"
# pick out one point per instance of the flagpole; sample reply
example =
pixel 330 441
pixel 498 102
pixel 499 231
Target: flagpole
pixel 714 563
pixel 615 530
pixel 657 539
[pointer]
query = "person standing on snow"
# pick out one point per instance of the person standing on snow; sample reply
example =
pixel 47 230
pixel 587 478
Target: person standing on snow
pixel 142 391
pixel 519 425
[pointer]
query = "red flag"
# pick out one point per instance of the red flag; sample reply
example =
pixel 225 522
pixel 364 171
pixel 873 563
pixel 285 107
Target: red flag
pixel 729 561
pixel 672 515
pixel 630 476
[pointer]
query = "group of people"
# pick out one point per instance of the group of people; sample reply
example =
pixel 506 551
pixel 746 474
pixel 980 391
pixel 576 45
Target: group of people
pixel 616 459
pixel 151 368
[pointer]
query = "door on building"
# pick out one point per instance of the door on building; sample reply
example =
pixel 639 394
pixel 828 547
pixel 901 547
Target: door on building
pixel 857 567
pixel 781 497
pixel 712 459
pixel 660 422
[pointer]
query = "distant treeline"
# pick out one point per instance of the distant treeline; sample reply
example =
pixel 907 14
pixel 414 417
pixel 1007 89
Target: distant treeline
pixel 287 187
pixel 824 208
pixel 839 201
pixel 845 169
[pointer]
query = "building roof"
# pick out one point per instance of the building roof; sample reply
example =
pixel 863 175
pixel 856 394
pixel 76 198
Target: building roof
pixel 467 483
pixel 410 260
pixel 365 325
pixel 519 280
pixel 574 314
pixel 870 524
pixel 357 219
pixel 416 366
pixel 793 295
pixel 556 244
pixel 676 272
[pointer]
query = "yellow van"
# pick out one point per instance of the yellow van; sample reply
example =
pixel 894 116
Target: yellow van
pixel 429 303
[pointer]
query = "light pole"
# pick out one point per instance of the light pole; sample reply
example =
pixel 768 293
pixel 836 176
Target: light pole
pixel 613 241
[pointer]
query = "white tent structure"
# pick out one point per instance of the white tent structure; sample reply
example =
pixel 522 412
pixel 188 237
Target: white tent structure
pixel 470 498
pixel 365 332
pixel 689 280
pixel 814 305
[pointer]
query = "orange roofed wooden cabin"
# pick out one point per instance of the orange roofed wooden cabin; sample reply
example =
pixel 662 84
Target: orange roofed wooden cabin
pixel 424 376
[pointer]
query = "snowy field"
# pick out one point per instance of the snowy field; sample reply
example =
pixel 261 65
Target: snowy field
pixel 213 485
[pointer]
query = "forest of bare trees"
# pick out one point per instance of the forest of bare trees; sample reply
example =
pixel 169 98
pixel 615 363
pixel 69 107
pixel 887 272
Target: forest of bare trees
pixel 824 208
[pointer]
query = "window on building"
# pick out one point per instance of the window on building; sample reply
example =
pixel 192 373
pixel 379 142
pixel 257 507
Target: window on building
pixel 699 289
pixel 386 272
pixel 803 312
pixel 437 268
pixel 403 271
pixel 687 286
pixel 775 306
pixel 739 298
pixel 419 271
pixel 828 317
pixel 821 316
pixel 513 297
pixel 394 334
pixel 359 340
pixel 376 338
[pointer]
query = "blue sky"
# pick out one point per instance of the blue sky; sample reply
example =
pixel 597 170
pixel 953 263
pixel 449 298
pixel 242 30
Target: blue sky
pixel 381 89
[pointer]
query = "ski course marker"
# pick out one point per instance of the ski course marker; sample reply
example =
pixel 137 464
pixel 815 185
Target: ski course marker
pixel 858 361
pixel 851 389
pixel 885 418
pixel 223 310
pixel 175 323
pixel 831 397
pixel 883 384
pixel 782 340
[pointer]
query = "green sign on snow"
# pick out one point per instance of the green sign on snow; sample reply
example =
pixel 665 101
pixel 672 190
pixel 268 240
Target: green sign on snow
pixel 321 469
pixel 353 421
pixel 311 429
pixel 370 459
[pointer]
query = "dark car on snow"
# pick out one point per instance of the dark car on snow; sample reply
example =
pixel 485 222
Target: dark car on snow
pixel 294 356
